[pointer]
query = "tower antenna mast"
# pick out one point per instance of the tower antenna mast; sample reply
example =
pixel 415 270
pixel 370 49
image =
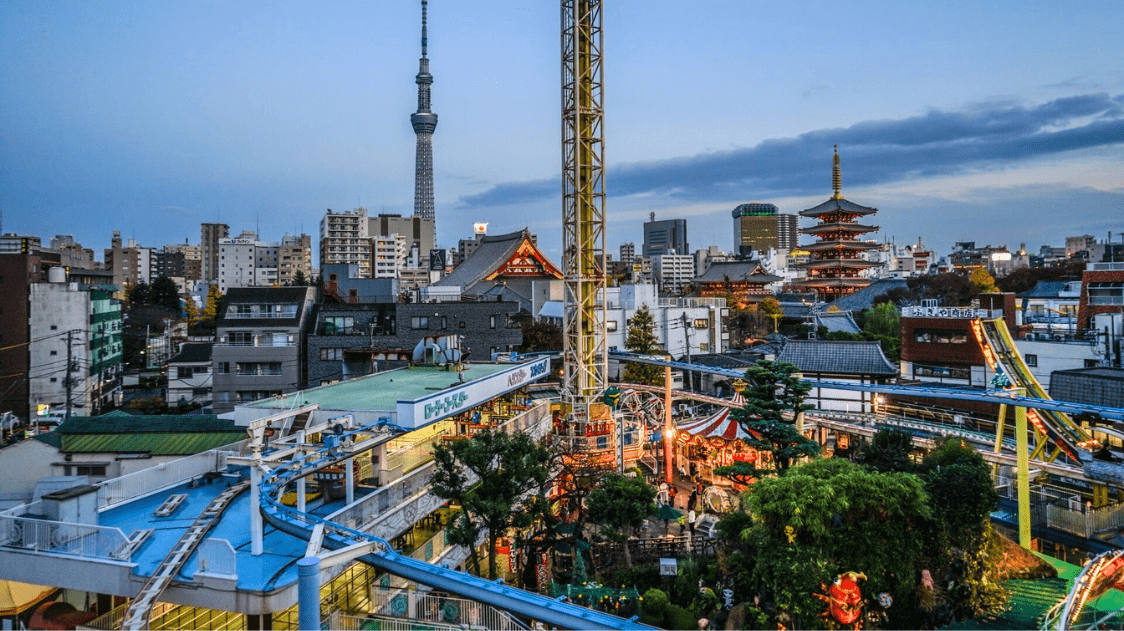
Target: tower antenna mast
pixel 424 122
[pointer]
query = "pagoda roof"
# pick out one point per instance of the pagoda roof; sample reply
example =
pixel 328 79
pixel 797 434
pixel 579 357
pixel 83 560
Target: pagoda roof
pixel 838 245
pixel 838 225
pixel 838 204
pixel 501 256
pixel 829 263
pixel 748 271
pixel 832 282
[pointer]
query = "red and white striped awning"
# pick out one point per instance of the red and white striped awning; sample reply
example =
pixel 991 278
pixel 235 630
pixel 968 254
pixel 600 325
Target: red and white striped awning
pixel 738 400
pixel 718 425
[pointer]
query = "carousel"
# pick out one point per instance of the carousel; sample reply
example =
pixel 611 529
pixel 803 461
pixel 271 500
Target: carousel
pixel 716 441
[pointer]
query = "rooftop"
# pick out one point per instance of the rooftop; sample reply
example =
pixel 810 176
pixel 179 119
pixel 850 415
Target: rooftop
pixel 845 357
pixel 382 391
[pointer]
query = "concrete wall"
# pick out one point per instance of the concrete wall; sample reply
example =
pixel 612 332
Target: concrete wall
pixel 55 309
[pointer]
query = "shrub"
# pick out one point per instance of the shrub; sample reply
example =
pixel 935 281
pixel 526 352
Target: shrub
pixel 654 606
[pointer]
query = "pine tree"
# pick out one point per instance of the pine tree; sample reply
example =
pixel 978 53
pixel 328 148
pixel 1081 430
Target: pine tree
pixel 642 340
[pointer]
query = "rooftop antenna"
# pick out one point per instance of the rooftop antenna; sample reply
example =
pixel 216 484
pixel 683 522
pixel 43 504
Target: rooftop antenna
pixel 836 175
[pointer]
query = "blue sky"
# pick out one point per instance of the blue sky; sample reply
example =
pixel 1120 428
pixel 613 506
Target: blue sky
pixel 999 122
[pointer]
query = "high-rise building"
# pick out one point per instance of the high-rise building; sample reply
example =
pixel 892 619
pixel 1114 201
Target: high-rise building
pixel 418 232
pixel 424 122
pixel 294 255
pixel 628 252
pixel 755 228
pixel 760 226
pixel 209 236
pixel 667 234
pixel 788 231
pixel 673 272
pixel 130 263
pixel 344 238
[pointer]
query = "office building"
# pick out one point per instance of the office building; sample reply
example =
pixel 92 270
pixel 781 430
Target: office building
pixel 345 238
pixel 667 234
pixel 209 235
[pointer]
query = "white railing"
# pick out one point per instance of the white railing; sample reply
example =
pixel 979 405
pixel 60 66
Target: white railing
pixel 429 607
pixel 535 422
pixel 41 535
pixel 354 623
pixel 163 476
pixel 1085 521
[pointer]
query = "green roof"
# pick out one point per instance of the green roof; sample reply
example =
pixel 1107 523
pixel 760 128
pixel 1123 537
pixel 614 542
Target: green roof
pixel 382 391
pixel 1031 599
pixel 153 435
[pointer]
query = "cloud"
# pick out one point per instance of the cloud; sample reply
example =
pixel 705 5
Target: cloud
pixel 939 142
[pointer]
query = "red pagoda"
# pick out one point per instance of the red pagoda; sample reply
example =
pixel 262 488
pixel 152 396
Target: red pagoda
pixel 836 264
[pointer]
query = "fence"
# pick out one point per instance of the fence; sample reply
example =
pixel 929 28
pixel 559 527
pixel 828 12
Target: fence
pixel 651 550
pixel 163 476
pixel 40 535
pixel 432 607
pixel 1085 521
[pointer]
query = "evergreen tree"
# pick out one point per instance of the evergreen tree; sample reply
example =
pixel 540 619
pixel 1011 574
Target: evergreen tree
pixel 165 294
pixel 771 308
pixel 139 294
pixel 299 279
pixel 775 391
pixel 505 467
pixel 642 340
pixel 621 504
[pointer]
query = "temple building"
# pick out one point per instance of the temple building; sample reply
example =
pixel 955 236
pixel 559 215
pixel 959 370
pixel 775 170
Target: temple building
pixel 503 267
pixel 836 266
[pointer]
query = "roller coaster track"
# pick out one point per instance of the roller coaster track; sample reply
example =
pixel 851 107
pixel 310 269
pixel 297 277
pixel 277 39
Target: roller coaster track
pixel 1102 573
pixel 384 557
pixel 137 615
pixel 1000 351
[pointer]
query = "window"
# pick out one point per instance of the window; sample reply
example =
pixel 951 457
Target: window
pixel 940 336
pixel 224 368
pixel 419 322
pixel 199 392
pixel 944 372
pixel 492 319
pixel 241 338
pixel 1106 293
pixel 54 352
pixel 85 469
pixel 54 327
pixel 54 379
pixel 1090 363
pixel 704 347
pixel 331 354
pixel 1031 360
pixel 185 372
pixel 444 322
pixel 701 323
pixel 240 311
pixel 339 325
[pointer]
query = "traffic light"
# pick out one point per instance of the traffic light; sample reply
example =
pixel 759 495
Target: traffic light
pixel 25 246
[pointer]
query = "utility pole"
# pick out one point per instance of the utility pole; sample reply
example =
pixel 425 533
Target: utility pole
pixel 687 339
pixel 67 380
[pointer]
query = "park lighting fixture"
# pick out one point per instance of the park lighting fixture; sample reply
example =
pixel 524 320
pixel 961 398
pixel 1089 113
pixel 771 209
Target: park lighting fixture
pixel 669 433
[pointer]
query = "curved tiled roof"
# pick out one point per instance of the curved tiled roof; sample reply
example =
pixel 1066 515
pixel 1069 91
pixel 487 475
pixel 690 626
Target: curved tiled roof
pixel 488 257
pixel 736 271
pixel 837 357
pixel 838 204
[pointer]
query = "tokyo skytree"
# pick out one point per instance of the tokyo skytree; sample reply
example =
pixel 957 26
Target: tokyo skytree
pixel 424 122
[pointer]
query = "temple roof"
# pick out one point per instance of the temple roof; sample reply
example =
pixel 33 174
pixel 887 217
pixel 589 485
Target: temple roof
pixel 838 245
pixel 491 261
pixel 838 205
pixel 847 226
pixel 832 282
pixel 735 271
pixel 830 263
pixel 838 357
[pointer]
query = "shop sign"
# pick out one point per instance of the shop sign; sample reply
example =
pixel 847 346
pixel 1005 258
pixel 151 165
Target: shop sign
pixel 944 312
pixel 445 405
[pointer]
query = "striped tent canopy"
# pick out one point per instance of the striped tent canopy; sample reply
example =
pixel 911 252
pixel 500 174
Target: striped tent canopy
pixel 738 400
pixel 718 425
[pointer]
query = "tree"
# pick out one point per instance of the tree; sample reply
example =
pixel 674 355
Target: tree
pixel 771 308
pixel 882 322
pixel 211 307
pixel 887 451
pixel 620 504
pixel 299 279
pixel 775 391
pixel 489 475
pixel 539 335
pixel 190 310
pixel 139 294
pixel 826 517
pixel 642 339
pixel 983 281
pixel 165 294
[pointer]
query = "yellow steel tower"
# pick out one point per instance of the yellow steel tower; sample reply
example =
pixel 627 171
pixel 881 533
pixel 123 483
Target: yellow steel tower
pixel 583 209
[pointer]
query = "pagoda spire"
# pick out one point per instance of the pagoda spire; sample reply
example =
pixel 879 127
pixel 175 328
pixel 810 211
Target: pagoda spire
pixel 836 175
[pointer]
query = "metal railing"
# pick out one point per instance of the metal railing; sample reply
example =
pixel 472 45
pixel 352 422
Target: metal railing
pixel 164 476
pixel 425 606
pixel 81 540
pixel 1085 521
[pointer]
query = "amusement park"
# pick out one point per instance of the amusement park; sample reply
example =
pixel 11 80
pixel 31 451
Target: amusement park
pixel 801 484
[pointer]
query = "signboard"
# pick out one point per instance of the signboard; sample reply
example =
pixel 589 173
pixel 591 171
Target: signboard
pixel 944 312
pixel 43 409
pixel 418 412
pixel 437 260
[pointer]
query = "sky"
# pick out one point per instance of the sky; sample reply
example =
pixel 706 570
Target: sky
pixel 998 122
